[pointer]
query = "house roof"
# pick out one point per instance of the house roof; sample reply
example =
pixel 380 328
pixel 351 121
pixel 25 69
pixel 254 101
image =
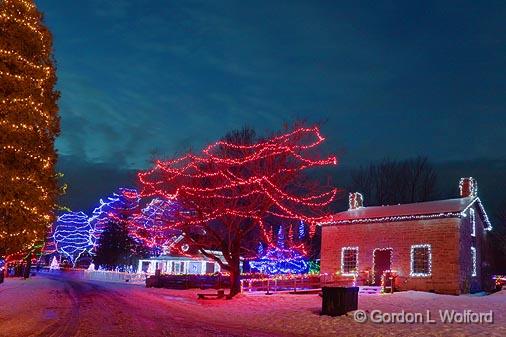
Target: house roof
pixel 448 208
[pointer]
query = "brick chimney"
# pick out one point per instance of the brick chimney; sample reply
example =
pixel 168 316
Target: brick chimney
pixel 356 200
pixel 468 187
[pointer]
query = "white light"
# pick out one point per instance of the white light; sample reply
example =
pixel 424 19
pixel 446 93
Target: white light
pixel 342 261
pixel 412 273
pixel 355 200
pixel 416 217
pixel 473 221
pixel 473 255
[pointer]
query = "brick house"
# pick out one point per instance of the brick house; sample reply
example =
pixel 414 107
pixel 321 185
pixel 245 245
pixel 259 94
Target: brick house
pixel 437 246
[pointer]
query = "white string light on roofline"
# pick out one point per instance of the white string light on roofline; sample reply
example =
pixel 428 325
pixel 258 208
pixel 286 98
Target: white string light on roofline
pixel 472 216
pixel 486 220
pixel 473 256
pixel 395 218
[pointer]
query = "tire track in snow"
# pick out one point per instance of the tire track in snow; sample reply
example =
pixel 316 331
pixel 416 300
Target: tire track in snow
pixel 68 325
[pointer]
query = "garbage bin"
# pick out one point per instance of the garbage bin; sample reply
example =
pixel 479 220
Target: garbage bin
pixel 338 301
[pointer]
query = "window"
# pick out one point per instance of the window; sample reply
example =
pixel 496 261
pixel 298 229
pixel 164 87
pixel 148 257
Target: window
pixel 473 257
pixel 209 267
pixel 472 218
pixel 421 260
pixel 349 261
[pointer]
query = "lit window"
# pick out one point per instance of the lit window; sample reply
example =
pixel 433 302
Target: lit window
pixel 473 257
pixel 472 217
pixel 421 260
pixel 349 261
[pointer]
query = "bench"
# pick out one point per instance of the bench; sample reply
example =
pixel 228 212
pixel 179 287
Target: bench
pixel 219 294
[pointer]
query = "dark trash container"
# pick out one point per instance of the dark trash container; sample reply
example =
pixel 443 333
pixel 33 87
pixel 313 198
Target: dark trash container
pixel 153 281
pixel 338 301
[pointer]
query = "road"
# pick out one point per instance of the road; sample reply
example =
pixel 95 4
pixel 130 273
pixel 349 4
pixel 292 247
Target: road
pixel 111 309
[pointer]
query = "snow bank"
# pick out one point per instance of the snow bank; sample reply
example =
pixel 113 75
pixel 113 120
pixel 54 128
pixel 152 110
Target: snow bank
pixel 299 315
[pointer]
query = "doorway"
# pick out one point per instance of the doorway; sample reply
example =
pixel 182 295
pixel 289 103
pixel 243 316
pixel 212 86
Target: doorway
pixel 382 260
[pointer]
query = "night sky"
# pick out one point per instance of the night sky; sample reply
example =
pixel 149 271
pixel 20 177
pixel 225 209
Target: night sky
pixel 397 79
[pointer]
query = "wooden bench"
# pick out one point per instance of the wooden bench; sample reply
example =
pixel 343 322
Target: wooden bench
pixel 219 294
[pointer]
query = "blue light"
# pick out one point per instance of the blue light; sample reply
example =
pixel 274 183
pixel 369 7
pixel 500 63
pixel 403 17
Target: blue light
pixel 73 235
pixel 281 261
pixel 154 223
pixel 260 249
pixel 115 208
pixel 281 237
pixel 302 230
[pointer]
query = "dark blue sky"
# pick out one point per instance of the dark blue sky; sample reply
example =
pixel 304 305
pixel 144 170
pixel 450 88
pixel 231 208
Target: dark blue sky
pixel 389 78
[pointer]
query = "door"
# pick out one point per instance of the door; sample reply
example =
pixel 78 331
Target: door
pixel 382 262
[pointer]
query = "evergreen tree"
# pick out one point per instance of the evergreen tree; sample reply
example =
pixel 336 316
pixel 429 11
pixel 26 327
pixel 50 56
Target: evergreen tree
pixel 117 249
pixel 29 123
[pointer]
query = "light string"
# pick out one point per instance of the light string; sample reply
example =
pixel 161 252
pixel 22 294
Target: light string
pixel 29 114
pixel 73 235
pixel 216 176
pixel 413 271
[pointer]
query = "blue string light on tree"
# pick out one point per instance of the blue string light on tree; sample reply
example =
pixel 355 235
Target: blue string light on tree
pixel 260 249
pixel 73 235
pixel 302 230
pixel 281 237
pixel 152 225
pixel 281 261
pixel 118 207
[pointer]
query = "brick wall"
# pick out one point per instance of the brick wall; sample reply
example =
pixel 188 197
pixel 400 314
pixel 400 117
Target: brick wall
pixel 442 234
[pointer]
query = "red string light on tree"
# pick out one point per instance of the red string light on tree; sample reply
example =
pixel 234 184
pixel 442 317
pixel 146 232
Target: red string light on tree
pixel 237 185
pixel 183 178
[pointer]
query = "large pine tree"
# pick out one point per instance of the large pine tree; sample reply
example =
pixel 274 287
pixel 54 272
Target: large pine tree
pixel 29 123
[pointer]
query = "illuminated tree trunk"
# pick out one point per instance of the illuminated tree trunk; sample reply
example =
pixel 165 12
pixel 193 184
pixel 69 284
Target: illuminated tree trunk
pixel 29 124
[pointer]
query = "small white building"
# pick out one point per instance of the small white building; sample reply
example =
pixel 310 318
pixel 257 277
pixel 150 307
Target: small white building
pixel 180 264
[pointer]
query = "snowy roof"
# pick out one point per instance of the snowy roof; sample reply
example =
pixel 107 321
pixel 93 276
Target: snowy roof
pixel 447 208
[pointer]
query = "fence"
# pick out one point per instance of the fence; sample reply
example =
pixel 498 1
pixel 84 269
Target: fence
pixel 294 283
pixel 111 276
pixel 188 281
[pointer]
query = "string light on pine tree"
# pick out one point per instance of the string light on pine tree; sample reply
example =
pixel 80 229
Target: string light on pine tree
pixel 281 237
pixel 302 230
pixel 260 249
pixel 279 260
pixel 54 264
pixel 29 124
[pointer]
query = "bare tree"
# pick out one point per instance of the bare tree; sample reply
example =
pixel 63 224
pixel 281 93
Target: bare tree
pixel 237 186
pixel 392 182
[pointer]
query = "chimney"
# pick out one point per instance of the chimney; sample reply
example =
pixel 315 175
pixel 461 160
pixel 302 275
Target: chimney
pixel 356 200
pixel 468 187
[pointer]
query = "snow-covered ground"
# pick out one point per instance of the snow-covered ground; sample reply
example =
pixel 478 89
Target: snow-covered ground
pixel 61 307
pixel 27 305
